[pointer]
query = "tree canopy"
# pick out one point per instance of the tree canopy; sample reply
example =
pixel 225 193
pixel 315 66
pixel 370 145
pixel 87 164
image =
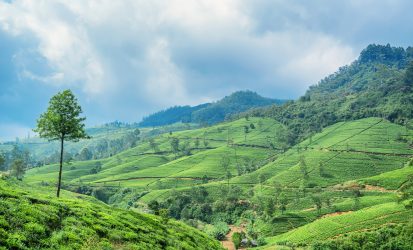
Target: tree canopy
pixel 61 120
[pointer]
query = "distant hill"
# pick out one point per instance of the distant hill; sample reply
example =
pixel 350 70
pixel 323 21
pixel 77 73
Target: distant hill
pixel 378 84
pixel 209 113
pixel 171 115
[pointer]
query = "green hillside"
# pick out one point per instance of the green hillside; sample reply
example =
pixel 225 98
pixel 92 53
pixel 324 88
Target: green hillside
pixel 106 140
pixel 344 152
pixel 200 151
pixel 340 166
pixel 32 218
pixel 326 169
pixel 333 226
pixel 378 84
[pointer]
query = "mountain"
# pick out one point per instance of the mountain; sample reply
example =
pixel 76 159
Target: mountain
pixel 171 115
pixel 378 84
pixel 331 168
pixel 209 113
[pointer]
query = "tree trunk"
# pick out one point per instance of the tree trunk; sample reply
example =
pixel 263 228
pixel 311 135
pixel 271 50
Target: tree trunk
pixel 61 167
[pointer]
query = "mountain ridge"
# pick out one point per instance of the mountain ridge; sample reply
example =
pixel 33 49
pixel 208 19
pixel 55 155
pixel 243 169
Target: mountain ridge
pixel 209 113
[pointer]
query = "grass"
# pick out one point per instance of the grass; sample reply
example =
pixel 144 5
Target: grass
pixel 390 180
pixel 34 219
pixel 143 161
pixel 330 227
pixel 368 151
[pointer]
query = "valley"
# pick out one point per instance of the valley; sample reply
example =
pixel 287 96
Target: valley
pixel 330 170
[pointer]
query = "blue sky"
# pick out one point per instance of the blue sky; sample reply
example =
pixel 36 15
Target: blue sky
pixel 126 59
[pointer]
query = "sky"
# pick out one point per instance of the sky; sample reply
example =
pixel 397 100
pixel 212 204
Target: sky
pixel 128 58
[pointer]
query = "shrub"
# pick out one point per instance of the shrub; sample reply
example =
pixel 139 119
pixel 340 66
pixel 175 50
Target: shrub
pixel 236 238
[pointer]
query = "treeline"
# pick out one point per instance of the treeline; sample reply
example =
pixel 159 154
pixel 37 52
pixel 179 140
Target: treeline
pixel 119 124
pixel 378 84
pixel 102 148
pixel 16 161
pixel 209 113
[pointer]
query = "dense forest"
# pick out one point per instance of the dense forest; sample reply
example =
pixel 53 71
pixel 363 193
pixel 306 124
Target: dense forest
pixel 209 113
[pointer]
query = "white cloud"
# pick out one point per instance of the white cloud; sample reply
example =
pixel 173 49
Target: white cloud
pixel 131 57
pixel 165 82
pixel 323 56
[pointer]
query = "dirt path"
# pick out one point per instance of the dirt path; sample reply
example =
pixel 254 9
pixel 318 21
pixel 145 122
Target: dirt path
pixel 377 188
pixel 227 243
pixel 336 214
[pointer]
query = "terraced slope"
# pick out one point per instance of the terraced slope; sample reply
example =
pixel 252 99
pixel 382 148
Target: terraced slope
pixel 345 151
pixel 31 218
pixel 154 161
pixel 337 163
pixel 332 226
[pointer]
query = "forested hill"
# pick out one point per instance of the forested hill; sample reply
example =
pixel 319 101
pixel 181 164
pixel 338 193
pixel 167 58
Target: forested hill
pixel 209 113
pixel 378 84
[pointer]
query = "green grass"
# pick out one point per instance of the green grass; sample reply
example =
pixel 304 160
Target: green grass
pixel 31 218
pixel 390 180
pixel 368 151
pixel 347 151
pixel 143 161
pixel 330 227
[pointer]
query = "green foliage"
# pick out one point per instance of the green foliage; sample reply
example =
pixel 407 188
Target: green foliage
pixel 219 230
pixel 236 239
pixel 209 113
pixel 329 227
pixel 175 145
pixel 61 120
pixel 170 116
pixel 18 169
pixel 2 161
pixel 34 220
pixel 375 85
pixel 386 237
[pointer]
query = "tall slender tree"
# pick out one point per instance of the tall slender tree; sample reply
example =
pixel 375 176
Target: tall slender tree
pixel 2 161
pixel 62 122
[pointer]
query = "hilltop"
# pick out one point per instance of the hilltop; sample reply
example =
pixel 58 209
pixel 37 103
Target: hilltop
pixel 209 113
pixel 378 84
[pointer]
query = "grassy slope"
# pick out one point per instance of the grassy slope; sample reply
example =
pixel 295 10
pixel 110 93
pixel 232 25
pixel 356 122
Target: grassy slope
pixel 366 148
pixel 142 161
pixel 330 227
pixel 346 150
pixel 35 219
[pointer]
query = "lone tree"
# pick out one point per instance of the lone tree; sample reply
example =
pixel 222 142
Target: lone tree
pixel 18 169
pixel 61 122
pixel 2 161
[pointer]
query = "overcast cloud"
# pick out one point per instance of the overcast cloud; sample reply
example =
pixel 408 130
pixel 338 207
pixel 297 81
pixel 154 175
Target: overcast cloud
pixel 126 59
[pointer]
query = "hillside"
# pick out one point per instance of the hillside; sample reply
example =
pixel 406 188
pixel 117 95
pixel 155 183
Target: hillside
pixel 34 219
pixel 106 140
pixel 279 188
pixel 198 155
pixel 331 164
pixel 378 84
pixel 209 113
